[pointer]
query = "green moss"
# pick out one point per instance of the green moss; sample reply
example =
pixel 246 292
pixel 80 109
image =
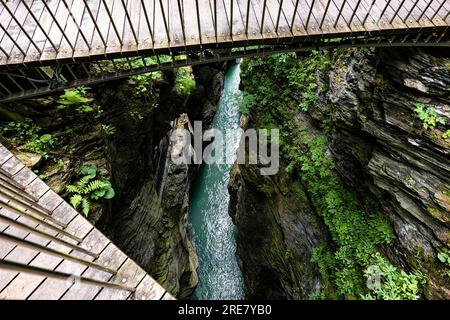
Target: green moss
pixel 355 229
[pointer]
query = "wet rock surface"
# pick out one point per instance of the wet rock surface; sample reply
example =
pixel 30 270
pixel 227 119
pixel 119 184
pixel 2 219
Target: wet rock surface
pixel 382 148
pixel 148 217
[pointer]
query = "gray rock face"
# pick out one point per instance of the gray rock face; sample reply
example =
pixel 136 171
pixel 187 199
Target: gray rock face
pixel 148 217
pixel 202 102
pixel 277 232
pixel 381 147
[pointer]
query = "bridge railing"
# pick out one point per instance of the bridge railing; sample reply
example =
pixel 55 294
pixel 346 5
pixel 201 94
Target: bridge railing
pixel 50 45
pixel 63 29
pixel 14 199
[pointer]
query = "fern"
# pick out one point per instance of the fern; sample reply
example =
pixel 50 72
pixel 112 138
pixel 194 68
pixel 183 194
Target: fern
pixel 72 189
pixel 75 200
pixel 86 188
pixel 93 186
pixel 85 206
pixel 82 183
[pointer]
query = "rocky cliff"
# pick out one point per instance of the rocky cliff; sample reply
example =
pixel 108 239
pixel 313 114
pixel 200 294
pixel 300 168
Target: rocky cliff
pixel 123 128
pixel 382 146
pixel 148 218
pixel 364 181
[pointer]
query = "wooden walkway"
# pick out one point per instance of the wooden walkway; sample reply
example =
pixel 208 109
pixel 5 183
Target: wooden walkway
pixel 51 45
pixel 50 251
pixel 38 30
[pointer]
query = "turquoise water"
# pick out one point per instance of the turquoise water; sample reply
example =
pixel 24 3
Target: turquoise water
pixel 210 225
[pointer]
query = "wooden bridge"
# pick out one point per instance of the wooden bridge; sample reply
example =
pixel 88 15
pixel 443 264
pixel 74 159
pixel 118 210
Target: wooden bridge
pixel 49 251
pixel 48 45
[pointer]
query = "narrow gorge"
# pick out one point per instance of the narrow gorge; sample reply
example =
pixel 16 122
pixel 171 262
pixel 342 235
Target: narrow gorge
pixel 358 209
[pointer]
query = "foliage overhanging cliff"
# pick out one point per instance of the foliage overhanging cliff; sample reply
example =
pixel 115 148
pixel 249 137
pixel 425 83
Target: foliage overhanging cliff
pixel 363 192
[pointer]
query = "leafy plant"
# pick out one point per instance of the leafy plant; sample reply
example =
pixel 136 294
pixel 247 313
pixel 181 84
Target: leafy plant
pixel 444 257
pixel 428 116
pixel 75 98
pixel 88 188
pixel 108 129
pixel 144 80
pixel 135 115
pixel 27 134
pixel 23 130
pixel 184 83
pixel 356 229
pixel 391 283
pixel 40 144
pixel 245 101
pixel 446 134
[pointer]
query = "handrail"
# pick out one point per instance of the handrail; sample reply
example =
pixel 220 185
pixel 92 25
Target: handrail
pixel 14 266
pixel 53 252
pixel 45 235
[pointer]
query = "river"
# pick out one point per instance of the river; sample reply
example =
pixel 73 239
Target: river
pixel 211 227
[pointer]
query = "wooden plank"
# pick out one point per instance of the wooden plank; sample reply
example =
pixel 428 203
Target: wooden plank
pixel 48 288
pixel 273 10
pixel 37 188
pixel 71 27
pixel 6 247
pixel 112 258
pixel 223 22
pixel 145 27
pixel 235 20
pixel 175 22
pixel 103 31
pixel 168 296
pixel 296 23
pixel 191 24
pixel 5 41
pixel 206 22
pixel 25 176
pixel 253 31
pixel 129 274
pixel 37 34
pixel 24 283
pixel 16 32
pixel 148 289
pixel 25 255
pixel 160 32
pixel 54 289
pixel 51 33
pixel 266 24
pixel 132 26
pixel 4 155
pixel 50 200
pixel 12 166
pixel 112 38
pixel 68 34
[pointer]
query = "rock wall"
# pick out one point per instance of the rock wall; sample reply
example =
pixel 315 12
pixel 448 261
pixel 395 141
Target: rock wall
pixel 381 147
pixel 148 217
pixel 367 107
pixel 277 230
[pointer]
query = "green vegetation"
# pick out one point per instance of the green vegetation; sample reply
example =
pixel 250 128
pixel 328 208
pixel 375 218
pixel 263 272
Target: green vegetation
pixel 185 82
pixel 108 129
pixel 245 101
pixel 76 98
pixel 356 229
pixel 27 135
pixel 428 116
pixel 40 144
pixel 444 257
pixel 88 188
